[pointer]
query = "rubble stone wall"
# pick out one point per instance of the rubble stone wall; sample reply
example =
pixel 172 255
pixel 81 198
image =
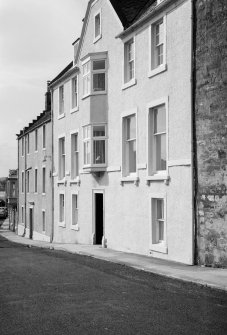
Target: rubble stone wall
pixel 211 131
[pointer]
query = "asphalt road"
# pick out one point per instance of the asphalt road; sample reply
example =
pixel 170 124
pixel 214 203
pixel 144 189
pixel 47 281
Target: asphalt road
pixel 51 292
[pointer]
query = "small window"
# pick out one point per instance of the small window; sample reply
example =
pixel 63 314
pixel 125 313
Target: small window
pixel 129 145
pixel 61 208
pixel 36 180
pixel 129 61
pixel 44 220
pixel 74 210
pixel 28 182
pixel 61 162
pixel 44 136
pixel 158 53
pixel 157 140
pixel 97 23
pixel 36 140
pixel 22 147
pixel 75 92
pixel 22 214
pixel 74 156
pixel 61 100
pixel 28 144
pixel 158 229
pixel 22 182
pixel 94 139
pixel 44 181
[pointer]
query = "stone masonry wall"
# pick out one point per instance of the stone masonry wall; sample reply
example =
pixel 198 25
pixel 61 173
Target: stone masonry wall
pixel 211 131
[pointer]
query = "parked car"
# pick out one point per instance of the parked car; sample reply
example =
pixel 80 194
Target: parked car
pixel 3 212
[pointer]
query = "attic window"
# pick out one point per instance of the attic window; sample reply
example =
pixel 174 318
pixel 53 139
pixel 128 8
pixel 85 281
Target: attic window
pixel 97 26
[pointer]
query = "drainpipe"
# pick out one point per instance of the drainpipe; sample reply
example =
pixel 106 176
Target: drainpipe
pixel 18 182
pixel 25 183
pixel 193 132
pixel 52 168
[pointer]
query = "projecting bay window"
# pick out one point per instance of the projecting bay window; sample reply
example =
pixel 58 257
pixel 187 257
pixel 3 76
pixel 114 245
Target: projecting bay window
pixel 94 75
pixel 158 47
pixel 129 146
pixel 95 145
pixel 157 141
pixel 61 158
pixel 158 224
pixel 74 156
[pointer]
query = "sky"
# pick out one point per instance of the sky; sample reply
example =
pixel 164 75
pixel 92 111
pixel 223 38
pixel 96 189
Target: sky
pixel 36 39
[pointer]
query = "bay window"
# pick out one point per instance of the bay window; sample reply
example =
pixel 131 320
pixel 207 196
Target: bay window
pixel 94 76
pixel 94 142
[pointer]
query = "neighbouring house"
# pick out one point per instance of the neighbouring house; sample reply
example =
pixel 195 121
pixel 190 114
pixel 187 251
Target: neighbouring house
pixel 210 136
pixel 123 137
pixel 12 198
pixel 35 177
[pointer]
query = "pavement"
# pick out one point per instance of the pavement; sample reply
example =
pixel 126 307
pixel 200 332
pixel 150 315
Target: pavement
pixel 205 276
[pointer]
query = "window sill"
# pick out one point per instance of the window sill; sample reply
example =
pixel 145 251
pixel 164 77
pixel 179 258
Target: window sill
pixel 61 116
pixel 158 177
pixel 61 224
pixel 97 38
pixel 94 93
pixel 75 181
pixel 44 149
pixel 73 110
pixel 159 247
pixel 76 227
pixel 157 70
pixel 36 151
pixel 43 193
pixel 129 179
pixel 61 182
pixel 129 84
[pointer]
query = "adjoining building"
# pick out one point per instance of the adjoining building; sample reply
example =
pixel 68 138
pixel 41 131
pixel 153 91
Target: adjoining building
pixel 122 114
pixel 12 198
pixel 35 177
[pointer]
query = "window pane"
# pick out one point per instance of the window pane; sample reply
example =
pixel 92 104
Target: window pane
pixel 131 127
pixel 74 210
pixel 97 25
pixel 98 131
pixel 132 156
pixel 160 152
pixel 160 209
pixel 159 120
pixel 99 64
pixel 99 152
pixel 160 231
pixel 98 82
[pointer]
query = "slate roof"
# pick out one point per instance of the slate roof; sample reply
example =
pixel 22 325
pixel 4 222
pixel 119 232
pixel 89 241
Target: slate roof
pixel 66 69
pixel 130 11
pixel 44 117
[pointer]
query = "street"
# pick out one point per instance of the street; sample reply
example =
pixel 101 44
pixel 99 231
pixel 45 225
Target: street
pixel 52 292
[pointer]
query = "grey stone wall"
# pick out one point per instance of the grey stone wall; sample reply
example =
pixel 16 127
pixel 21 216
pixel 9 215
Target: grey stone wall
pixel 211 131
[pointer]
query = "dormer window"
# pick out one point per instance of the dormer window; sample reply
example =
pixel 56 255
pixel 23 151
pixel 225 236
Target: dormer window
pixel 97 26
pixel 94 75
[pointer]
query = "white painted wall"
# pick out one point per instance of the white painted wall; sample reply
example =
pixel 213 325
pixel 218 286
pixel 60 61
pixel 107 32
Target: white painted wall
pixel 127 207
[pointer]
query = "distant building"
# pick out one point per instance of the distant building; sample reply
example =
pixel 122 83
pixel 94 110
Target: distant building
pixel 12 198
pixel 35 177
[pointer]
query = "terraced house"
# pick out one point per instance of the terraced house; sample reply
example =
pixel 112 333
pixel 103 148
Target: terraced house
pixel 122 131
pixel 35 177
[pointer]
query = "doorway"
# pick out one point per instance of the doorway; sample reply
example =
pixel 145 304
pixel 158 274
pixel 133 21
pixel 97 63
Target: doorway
pixel 98 216
pixel 31 223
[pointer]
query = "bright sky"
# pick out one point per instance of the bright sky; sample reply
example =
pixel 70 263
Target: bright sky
pixel 35 45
